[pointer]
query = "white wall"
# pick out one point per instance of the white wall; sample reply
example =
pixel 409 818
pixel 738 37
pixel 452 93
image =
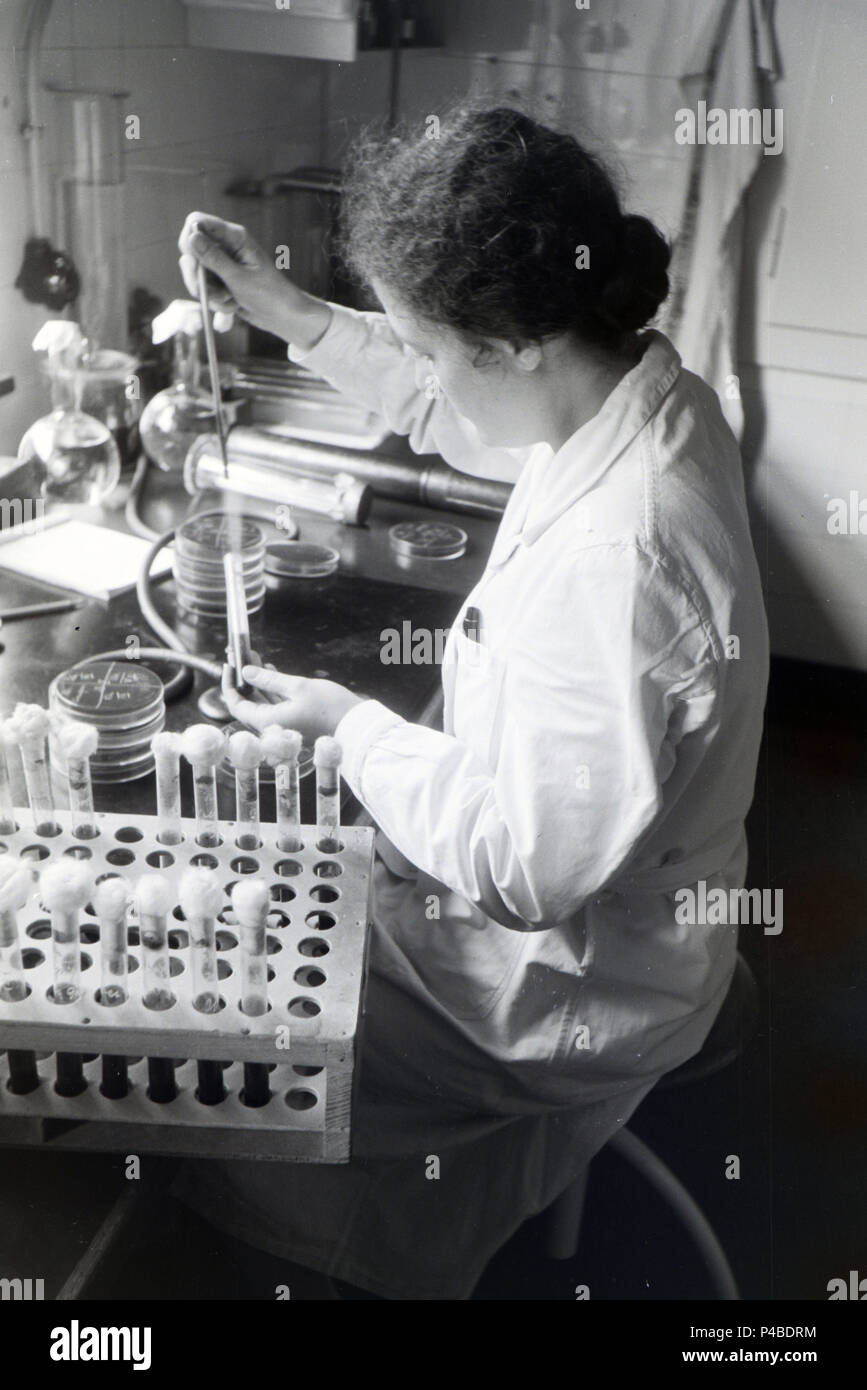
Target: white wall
pixel 204 116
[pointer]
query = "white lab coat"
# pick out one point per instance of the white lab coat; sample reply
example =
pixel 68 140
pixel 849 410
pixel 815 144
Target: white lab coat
pixel 529 979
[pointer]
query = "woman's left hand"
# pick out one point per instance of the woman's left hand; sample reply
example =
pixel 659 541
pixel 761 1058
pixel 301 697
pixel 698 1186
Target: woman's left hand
pixel 313 707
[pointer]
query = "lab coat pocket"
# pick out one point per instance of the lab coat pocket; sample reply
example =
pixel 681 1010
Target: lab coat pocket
pixel 465 959
pixel 478 677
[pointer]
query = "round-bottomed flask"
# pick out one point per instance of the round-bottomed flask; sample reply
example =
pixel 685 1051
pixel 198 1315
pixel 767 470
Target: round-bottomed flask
pixel 73 454
pixel 175 418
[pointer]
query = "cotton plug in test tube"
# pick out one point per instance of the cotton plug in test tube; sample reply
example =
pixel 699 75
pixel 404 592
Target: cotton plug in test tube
pixel 245 755
pixel 201 897
pixel 15 887
pixel 65 888
pixel 29 727
pixel 251 900
pixel 110 901
pixel 166 749
pixel 327 755
pixel 7 806
pixel 153 898
pixel 203 746
pixel 281 749
pixel 77 744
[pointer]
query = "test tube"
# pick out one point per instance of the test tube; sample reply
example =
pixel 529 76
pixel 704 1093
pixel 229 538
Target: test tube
pixel 65 888
pixel 327 755
pixel 15 886
pixel 77 744
pixel 110 901
pixel 203 746
pixel 29 727
pixel 281 748
pixel 201 897
pixel 245 755
pixel 167 754
pixel 153 900
pixel 153 897
pixel 7 808
pixel 251 900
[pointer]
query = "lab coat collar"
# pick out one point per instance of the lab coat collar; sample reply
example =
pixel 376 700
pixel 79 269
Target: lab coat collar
pixel 551 483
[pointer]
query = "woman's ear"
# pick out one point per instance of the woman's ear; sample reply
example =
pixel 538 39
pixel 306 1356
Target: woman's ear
pixel 525 356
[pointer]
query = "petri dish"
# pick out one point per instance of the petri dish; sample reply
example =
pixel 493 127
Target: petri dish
pixel 300 560
pixel 427 540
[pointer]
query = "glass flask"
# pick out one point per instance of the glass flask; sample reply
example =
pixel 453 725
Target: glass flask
pixel 177 416
pixel 73 454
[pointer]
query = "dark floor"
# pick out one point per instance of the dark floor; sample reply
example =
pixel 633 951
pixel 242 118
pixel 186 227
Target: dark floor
pixel 792 1108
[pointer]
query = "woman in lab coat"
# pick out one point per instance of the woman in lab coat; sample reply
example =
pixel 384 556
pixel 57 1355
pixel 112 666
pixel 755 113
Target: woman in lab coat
pixel 531 973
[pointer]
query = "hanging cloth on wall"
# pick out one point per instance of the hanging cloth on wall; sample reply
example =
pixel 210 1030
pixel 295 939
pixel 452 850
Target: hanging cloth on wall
pixel 733 71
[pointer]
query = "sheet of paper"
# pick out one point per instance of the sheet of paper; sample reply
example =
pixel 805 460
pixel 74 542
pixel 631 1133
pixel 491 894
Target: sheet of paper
pixel 76 555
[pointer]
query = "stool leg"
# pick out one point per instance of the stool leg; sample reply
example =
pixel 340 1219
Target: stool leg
pixel 564 1219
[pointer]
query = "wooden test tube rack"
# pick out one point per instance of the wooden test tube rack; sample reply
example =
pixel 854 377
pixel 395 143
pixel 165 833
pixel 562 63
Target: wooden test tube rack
pixel 317 937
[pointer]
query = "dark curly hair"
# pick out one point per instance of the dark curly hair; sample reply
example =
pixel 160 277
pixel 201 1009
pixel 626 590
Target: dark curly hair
pixel 478 230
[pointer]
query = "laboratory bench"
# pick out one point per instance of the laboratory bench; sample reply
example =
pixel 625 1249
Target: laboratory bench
pixel 55 1203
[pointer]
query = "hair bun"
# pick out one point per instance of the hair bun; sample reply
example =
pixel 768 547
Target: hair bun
pixel 639 280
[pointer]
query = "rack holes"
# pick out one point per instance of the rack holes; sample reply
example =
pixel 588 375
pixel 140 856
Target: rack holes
pixel 40 930
pixel 299 1098
pixel 313 946
pixel 89 934
pixel 282 893
pixel 306 1071
pixel 288 868
pixel 323 894
pixel 159 859
pixel 30 958
pixel 120 857
pixel 303 1007
pixel 276 920
pixel 128 835
pixel 328 869
pixel 273 946
pixel 178 939
pixel 310 976
pixel 321 920
pixel 179 914
pixel 226 941
pixel 329 845
pixel 244 864
pixel 37 852
pixel 224 969
pixel 101 878
pixel 78 852
pixel 205 861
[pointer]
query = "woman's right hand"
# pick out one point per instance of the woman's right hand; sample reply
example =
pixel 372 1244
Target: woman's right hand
pixel 250 284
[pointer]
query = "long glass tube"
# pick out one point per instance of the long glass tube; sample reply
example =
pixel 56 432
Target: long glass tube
pixel 156 989
pixel 167 755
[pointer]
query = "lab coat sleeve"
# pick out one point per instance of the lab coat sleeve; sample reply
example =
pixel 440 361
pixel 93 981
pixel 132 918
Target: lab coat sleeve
pixel 361 357
pixel 617 668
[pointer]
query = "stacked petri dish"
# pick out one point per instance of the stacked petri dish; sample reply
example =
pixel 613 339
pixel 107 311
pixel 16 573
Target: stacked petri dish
pixel 200 544
pixel 124 702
